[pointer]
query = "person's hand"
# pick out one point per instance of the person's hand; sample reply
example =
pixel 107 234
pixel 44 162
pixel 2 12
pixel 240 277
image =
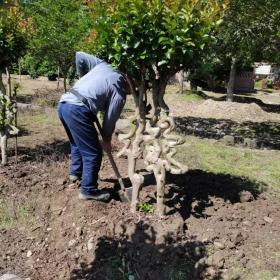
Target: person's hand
pixel 107 146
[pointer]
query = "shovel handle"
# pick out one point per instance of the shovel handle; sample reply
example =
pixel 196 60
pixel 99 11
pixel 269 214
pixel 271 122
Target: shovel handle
pixel 113 163
pixel 111 159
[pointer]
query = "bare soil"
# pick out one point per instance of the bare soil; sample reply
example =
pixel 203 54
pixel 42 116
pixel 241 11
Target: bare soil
pixel 217 226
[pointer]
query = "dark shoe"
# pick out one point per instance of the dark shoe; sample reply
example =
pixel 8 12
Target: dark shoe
pixel 100 195
pixel 74 178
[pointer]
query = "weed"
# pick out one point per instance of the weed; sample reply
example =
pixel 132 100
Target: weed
pixel 145 207
pixel 121 266
pixel 182 271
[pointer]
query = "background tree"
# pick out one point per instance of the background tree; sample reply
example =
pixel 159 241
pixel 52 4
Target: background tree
pixel 60 28
pixel 247 34
pixel 150 41
pixel 271 36
pixel 15 31
pixel 237 37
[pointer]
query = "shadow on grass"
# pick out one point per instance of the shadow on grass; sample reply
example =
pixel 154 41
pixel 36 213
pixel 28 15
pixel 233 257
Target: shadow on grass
pixel 23 131
pixel 26 99
pixel 251 134
pixel 139 256
pixel 56 151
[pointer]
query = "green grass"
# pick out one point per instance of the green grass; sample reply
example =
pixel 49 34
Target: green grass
pixel 261 166
pixel 39 118
pixel 258 84
pixel 192 96
pixel 13 215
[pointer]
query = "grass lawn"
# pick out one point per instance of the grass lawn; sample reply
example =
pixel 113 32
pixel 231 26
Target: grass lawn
pixel 261 166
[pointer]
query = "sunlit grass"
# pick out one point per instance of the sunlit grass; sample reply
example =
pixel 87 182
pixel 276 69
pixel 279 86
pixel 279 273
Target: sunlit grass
pixel 257 165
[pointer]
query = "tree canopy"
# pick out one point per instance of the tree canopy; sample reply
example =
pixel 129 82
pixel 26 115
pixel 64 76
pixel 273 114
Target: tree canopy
pixel 152 40
pixel 15 31
pixel 247 34
pixel 60 30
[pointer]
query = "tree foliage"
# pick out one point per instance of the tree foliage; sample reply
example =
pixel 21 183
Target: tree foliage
pixel 60 28
pixel 150 40
pixel 271 34
pixel 247 34
pixel 15 32
pixel 143 34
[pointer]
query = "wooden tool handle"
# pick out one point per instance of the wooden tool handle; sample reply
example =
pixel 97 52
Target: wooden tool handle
pixel 111 159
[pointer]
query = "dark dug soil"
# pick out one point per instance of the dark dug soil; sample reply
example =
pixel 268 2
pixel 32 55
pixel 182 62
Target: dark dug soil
pixel 217 227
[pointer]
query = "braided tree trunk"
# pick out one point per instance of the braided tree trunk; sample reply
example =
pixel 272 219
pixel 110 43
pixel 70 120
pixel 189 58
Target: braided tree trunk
pixel 150 137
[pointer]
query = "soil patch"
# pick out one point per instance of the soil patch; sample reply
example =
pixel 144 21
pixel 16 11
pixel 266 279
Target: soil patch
pixel 215 227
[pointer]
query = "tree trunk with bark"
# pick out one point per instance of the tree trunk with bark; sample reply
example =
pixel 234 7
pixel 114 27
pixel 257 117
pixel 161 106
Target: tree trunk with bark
pixel 231 82
pixel 19 71
pixel 9 83
pixel 65 83
pixel 58 80
pixel 181 82
pixel 7 111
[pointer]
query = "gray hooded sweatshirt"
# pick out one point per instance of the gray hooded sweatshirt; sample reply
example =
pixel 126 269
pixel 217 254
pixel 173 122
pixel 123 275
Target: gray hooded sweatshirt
pixel 102 86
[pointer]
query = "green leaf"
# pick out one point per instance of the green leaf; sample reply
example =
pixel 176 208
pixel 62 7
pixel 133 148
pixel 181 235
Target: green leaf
pixel 136 45
pixel 162 62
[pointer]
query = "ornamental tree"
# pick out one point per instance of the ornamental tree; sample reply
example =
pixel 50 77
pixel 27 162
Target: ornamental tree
pixel 14 34
pixel 150 41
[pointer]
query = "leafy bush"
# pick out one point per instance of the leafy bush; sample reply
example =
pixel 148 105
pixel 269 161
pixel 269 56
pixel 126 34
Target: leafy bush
pixel 35 68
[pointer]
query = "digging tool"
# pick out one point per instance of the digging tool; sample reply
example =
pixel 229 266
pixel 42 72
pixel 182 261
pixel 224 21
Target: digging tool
pixel 125 194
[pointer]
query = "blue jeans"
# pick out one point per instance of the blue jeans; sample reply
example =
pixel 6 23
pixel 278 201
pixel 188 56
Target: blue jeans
pixel 86 151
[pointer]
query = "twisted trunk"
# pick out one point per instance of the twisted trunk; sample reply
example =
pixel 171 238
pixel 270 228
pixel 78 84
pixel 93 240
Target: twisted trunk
pixel 133 146
pixel 152 140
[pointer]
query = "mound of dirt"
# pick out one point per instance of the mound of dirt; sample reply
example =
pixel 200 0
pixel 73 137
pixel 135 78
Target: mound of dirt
pixel 234 111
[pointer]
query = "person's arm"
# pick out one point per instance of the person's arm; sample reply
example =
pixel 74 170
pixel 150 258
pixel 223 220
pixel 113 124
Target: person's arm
pixel 111 116
pixel 85 62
